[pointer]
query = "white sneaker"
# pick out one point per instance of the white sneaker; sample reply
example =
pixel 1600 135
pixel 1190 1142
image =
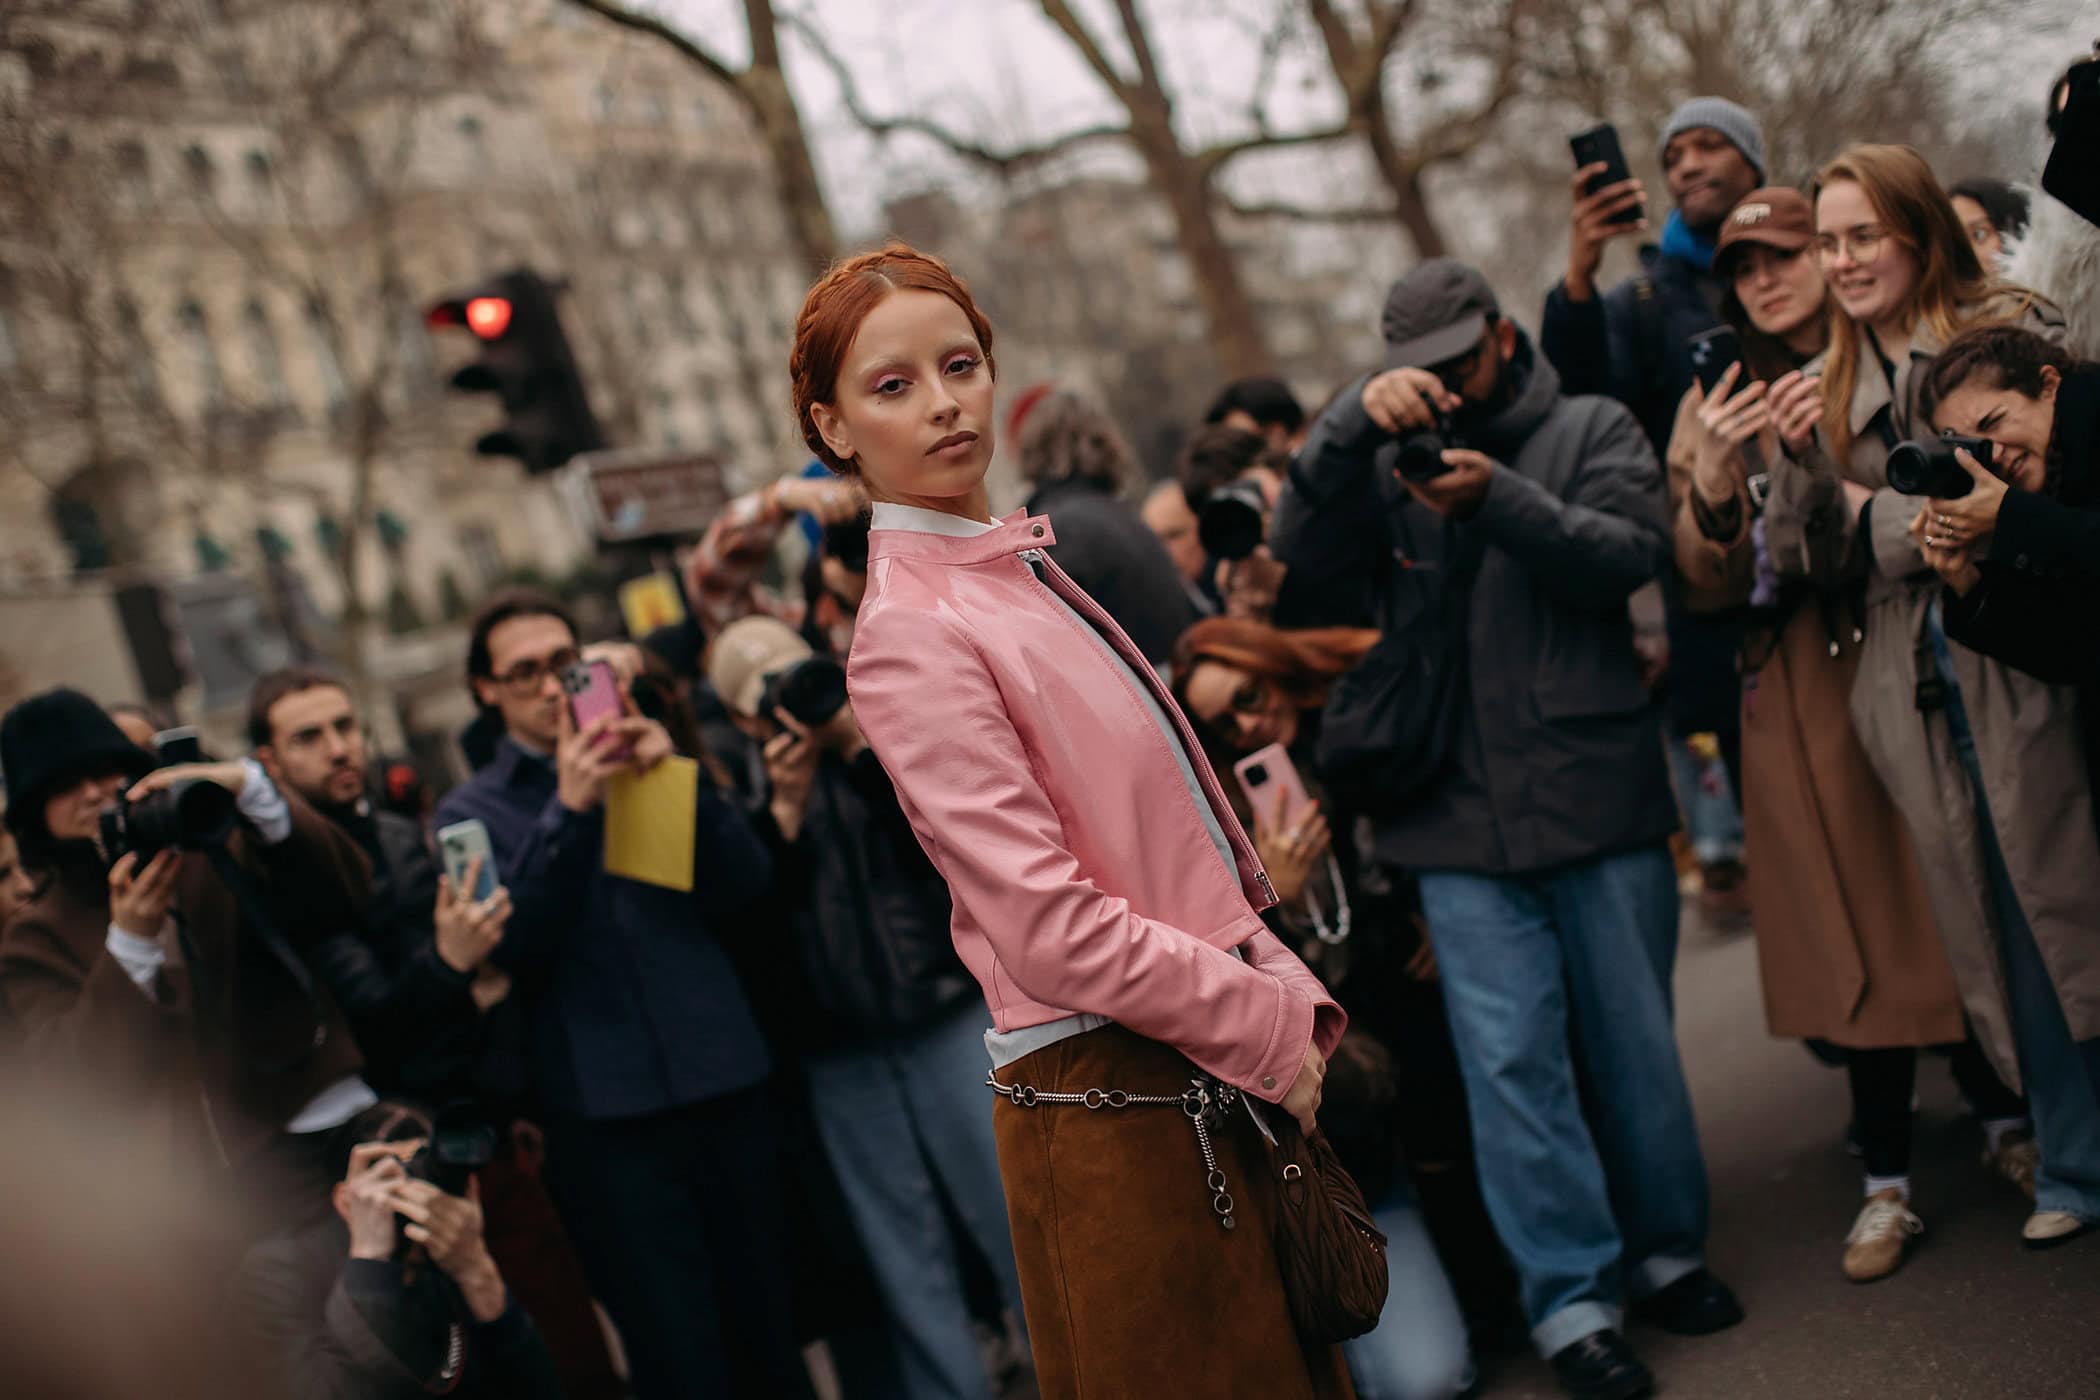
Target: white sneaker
pixel 1880 1237
pixel 2045 1229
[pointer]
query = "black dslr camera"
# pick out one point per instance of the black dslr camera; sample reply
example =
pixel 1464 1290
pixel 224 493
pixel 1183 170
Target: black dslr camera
pixel 812 690
pixel 1422 451
pixel 462 1141
pixel 1928 468
pixel 194 814
pixel 1234 520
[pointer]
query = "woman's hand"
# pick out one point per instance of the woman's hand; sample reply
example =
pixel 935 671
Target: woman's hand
pixel 469 929
pixel 1302 1102
pixel 1291 852
pixel 231 776
pixel 139 899
pixel 1797 406
pixel 1950 561
pixel 1963 520
pixel 375 1172
pixel 1721 425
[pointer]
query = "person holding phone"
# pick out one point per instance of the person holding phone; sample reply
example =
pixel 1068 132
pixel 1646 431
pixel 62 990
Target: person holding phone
pixel 1394 1100
pixel 1971 751
pixel 645 1059
pixel 1540 838
pixel 1105 896
pixel 1628 343
pixel 408 973
pixel 1834 878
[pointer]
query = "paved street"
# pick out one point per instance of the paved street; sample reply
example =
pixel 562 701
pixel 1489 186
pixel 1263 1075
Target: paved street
pixel 1973 1316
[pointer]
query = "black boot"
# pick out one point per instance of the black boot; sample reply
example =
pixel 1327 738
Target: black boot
pixel 1693 1306
pixel 1602 1367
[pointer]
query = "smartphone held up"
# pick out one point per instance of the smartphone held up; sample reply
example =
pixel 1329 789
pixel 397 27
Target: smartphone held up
pixel 1600 146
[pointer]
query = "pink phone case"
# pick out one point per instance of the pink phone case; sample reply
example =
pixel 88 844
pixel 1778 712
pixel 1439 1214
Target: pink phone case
pixel 594 692
pixel 1261 773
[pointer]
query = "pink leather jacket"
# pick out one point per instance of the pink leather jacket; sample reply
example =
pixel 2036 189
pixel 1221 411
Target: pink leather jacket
pixel 1043 791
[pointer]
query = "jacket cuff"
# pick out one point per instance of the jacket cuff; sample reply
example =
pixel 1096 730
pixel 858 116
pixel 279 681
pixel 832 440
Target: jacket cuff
pixel 1279 1068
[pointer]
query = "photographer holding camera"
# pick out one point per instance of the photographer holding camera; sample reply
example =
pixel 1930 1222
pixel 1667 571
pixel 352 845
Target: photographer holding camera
pixel 162 954
pixel 894 1025
pixel 647 1064
pixel 395 1293
pixel 1539 825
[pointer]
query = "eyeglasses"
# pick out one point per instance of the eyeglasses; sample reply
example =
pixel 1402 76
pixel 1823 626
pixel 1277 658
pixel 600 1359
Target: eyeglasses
pixel 1459 368
pixel 528 676
pixel 1862 243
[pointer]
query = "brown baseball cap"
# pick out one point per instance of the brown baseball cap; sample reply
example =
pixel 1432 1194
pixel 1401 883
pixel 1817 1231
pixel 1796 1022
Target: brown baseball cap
pixel 1776 216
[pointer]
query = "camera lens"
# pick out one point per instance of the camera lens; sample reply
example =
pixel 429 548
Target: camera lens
pixel 1234 521
pixel 1927 469
pixel 189 815
pixel 1257 775
pixel 812 690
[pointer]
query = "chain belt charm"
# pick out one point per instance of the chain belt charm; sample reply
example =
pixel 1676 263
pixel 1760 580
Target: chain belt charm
pixel 1205 1103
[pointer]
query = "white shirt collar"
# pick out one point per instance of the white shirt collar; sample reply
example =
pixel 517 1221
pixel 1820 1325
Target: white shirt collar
pixel 890 516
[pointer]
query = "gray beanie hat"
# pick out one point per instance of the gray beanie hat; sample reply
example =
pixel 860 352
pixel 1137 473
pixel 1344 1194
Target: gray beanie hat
pixel 1721 115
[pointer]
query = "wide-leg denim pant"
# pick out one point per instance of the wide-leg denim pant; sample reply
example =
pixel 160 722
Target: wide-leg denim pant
pixel 907 1127
pixel 1558 988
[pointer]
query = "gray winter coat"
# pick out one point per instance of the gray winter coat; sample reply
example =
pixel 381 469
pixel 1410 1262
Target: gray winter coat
pixel 2029 741
pixel 1558 755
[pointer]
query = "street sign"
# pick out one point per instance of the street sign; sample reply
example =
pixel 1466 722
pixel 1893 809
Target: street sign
pixel 645 493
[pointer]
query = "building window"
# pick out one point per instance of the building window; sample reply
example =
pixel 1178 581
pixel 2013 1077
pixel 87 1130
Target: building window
pixel 470 127
pixel 258 164
pixel 319 326
pixel 138 355
pixel 262 349
pixel 682 323
pixel 196 343
pixel 203 174
pixel 134 169
pixel 478 544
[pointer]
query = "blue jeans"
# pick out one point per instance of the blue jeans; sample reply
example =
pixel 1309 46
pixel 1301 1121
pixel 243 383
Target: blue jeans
pixel 1711 817
pixel 2058 1073
pixel 1558 988
pixel 1418 1350
pixel 906 1123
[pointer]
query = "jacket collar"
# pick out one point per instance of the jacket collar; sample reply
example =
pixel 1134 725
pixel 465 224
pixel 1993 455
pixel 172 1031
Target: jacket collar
pixel 1015 533
pixel 2075 437
pixel 1537 390
pixel 513 764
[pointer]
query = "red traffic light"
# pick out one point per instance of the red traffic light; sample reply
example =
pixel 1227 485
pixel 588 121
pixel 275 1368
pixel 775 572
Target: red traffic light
pixel 488 317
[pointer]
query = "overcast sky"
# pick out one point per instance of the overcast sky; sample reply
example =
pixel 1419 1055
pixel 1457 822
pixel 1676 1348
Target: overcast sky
pixel 998 71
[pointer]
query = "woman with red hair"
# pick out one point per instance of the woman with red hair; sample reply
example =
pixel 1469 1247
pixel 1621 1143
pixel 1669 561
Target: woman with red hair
pixel 1148 1029
pixel 1396 1106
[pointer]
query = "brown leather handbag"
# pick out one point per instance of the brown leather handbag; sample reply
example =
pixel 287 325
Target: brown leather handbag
pixel 1331 1255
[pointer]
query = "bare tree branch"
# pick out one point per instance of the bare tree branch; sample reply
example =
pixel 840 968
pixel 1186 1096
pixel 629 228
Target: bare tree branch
pixel 1011 161
pixel 691 49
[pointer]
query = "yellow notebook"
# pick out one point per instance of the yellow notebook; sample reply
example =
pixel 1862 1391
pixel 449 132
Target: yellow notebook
pixel 649 823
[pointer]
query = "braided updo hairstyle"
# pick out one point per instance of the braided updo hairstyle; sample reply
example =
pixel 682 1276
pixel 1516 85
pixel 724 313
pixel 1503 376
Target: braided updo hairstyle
pixel 831 317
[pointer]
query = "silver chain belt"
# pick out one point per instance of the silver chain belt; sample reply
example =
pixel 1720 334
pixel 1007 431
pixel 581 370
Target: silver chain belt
pixel 1205 1102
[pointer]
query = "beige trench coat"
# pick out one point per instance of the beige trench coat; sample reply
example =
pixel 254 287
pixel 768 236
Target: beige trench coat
pixel 2028 739
pixel 1845 936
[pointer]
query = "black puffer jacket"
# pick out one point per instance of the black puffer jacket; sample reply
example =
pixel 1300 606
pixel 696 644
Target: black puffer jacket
pixel 869 915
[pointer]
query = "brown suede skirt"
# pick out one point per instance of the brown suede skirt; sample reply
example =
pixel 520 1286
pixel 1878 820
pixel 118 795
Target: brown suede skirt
pixel 1132 1287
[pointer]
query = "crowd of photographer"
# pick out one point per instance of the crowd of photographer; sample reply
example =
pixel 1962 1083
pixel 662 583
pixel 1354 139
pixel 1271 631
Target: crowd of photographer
pixel 660 1014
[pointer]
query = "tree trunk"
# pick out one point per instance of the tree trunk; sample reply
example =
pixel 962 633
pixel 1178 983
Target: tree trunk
pixel 1410 204
pixel 765 89
pixel 1235 330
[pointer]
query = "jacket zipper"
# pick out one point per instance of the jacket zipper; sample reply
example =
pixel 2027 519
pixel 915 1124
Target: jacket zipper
pixel 1096 615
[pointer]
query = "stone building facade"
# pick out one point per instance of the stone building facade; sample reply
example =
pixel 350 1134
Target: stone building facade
pixel 219 227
